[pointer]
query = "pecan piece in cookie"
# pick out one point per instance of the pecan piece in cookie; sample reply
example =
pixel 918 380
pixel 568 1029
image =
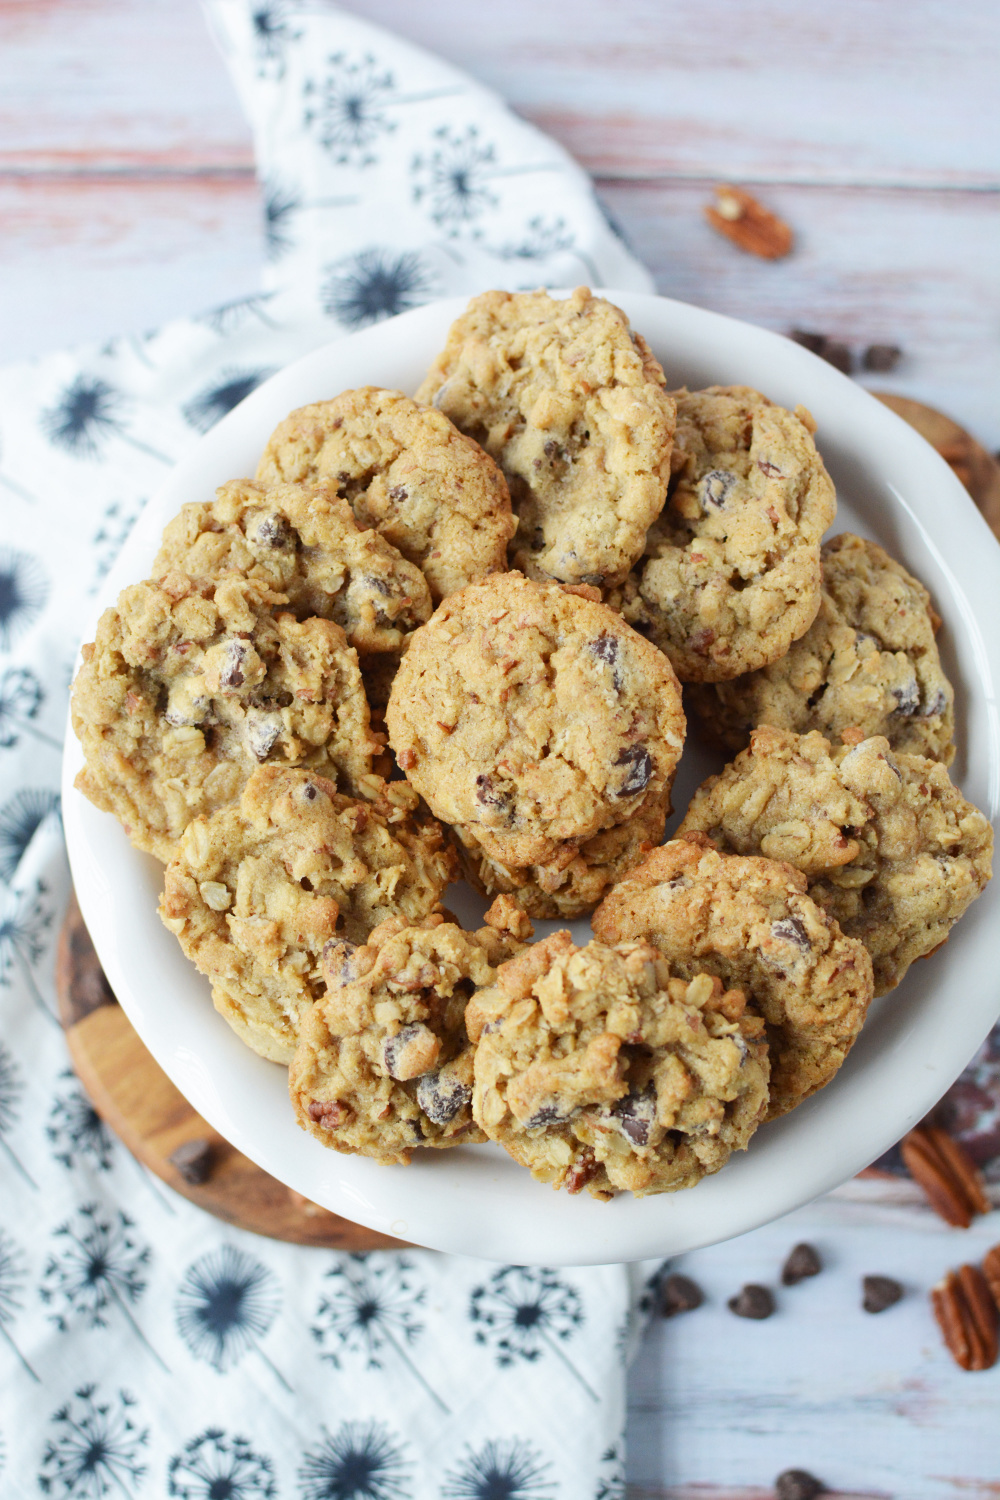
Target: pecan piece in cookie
pixel 600 1068
pixel 750 922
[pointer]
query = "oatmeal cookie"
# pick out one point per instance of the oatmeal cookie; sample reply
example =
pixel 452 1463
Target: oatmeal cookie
pixel 573 884
pixel 259 889
pixel 869 662
pixel 191 683
pixel 303 541
pixel 599 1067
pixel 533 718
pixel 383 1062
pixel 571 405
pixel 407 473
pixel 750 921
pixel 731 572
pixel 891 850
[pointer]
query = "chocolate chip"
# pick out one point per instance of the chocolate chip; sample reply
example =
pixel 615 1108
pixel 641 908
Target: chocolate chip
pixel 639 774
pixel 553 449
pixel 792 930
pixel 635 1115
pixel 881 357
pixel 261 732
pixel 489 794
pixel 752 1302
pixel 379 585
pixel 607 648
pixel 829 349
pixel 814 342
pixel 273 532
pixel 231 675
pixel 193 1160
pixel 879 1292
pixel 715 487
pixel 803 1261
pixel 797 1484
pixel 405 1055
pixel 907 698
pixel 934 706
pixel 399 492
pixel 441 1097
pixel 549 1114
pixel 310 792
pixel 679 1294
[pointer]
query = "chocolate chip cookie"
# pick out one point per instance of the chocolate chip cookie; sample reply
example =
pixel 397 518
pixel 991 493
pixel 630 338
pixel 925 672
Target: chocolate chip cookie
pixel 534 719
pixel 571 405
pixel 891 850
pixel 750 921
pixel 191 683
pixel 869 662
pixel 383 1062
pixel 302 541
pixel 258 890
pixel 731 573
pixel 408 474
pixel 600 1068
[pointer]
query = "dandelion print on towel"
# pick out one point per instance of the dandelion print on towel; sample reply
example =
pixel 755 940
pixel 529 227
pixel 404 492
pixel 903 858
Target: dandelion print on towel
pixel 229 316
pixel 89 413
pixel 349 109
pixel 111 536
pixel 15 488
pixel 21 697
pixel 374 284
pixel 611 1481
pixel 453 180
pixel 361 1461
pixel 226 1303
pixel 24 921
pixel 281 204
pixel 219 398
pixel 76 1130
pixel 11 1089
pixel 216 1467
pixel 20 819
pixel 271 35
pixel 370 1310
pixel 542 238
pixel 97 1266
pixel 11 1285
pixel 525 1312
pixel 502 1469
pixel 96 1449
pixel 24 589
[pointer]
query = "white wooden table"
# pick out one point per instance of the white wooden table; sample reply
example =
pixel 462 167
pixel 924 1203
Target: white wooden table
pixel 127 197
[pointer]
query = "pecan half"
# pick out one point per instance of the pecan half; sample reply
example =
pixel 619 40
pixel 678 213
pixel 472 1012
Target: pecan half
pixel 745 221
pixel 967 1317
pixel 991 1270
pixel 947 1175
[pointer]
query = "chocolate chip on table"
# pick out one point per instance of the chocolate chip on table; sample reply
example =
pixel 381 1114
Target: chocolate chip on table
pixel 752 1301
pixel 679 1294
pixel 803 1261
pixel 881 358
pixel 193 1160
pixel 879 1292
pixel 797 1484
pixel 835 353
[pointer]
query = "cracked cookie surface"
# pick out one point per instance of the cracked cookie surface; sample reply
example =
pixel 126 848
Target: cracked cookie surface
pixel 258 889
pixel 600 1068
pixel 407 473
pixel 192 683
pixel 384 1063
pixel 571 405
pixel 731 574
pixel 890 848
pixel 302 541
pixel 751 922
pixel 534 718
pixel 868 662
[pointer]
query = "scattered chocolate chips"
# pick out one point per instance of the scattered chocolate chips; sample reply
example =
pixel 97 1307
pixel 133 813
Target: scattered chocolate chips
pixel 679 1294
pixel 803 1261
pixel 835 353
pixel 193 1160
pixel 879 1292
pixel 753 1301
pixel 797 1484
pixel 881 358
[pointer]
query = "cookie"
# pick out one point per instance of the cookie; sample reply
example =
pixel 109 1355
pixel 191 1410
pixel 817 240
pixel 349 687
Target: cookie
pixel 191 683
pixel 731 571
pixel 383 1062
pixel 750 921
pixel 600 1068
pixel 891 850
pixel 303 542
pixel 572 885
pixel 408 474
pixel 869 663
pixel 571 405
pixel 259 889
pixel 533 719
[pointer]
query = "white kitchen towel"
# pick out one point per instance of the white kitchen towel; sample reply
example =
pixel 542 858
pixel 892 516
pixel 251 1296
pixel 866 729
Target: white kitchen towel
pixel 146 1349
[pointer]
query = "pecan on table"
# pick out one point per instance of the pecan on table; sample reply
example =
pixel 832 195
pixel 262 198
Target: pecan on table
pixel 991 1270
pixel 948 1176
pixel 967 1317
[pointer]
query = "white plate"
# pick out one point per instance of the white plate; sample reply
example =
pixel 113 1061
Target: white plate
pixel 474 1200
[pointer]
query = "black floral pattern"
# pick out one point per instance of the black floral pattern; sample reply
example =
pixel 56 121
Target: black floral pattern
pixel 453 179
pixel 229 316
pixel 347 109
pixel 11 1090
pixel 219 398
pixel 111 536
pixel 21 697
pixel 373 285
pixel 12 1278
pixel 25 918
pixel 611 1477
pixel 272 36
pixel 96 1450
pixel 226 1304
pixel 503 1469
pixel 77 1132
pixel 216 1467
pixel 281 204
pixel 20 819
pixel 24 588
pixel 89 412
pixel 525 1312
pixel 360 1461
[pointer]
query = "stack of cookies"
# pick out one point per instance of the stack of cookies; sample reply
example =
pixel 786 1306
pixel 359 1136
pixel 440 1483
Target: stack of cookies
pixel 448 635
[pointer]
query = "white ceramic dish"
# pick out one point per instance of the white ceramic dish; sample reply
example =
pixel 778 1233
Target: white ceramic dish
pixel 475 1200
